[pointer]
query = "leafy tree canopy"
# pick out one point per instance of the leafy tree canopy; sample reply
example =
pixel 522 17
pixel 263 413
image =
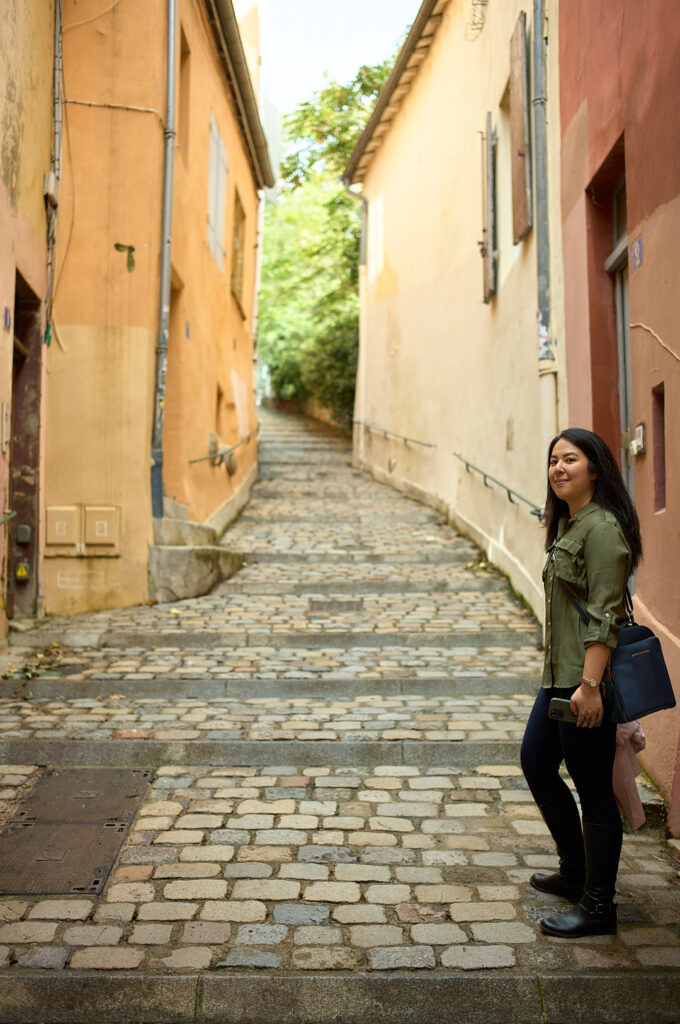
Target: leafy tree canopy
pixel 309 308
pixel 325 129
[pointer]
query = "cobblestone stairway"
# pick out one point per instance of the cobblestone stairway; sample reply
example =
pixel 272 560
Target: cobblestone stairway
pixel 337 827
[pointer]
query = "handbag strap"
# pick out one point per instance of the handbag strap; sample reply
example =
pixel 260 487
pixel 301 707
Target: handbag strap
pixel 577 605
pixel 627 603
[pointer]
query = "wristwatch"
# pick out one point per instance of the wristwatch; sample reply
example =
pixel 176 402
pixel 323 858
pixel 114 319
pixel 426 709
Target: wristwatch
pixel 590 682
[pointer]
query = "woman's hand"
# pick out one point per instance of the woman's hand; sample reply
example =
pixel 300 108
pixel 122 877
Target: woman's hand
pixel 586 702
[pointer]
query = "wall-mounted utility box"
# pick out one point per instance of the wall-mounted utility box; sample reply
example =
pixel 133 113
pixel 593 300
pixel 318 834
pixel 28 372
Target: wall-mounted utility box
pixel 62 534
pixel 102 530
pixel 85 531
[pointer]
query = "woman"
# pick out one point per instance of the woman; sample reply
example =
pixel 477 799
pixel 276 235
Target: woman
pixel 593 543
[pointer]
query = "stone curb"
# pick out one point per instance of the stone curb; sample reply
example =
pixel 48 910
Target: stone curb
pixel 366 556
pixel 366 588
pixel 206 640
pixel 247 997
pixel 154 753
pixel 242 689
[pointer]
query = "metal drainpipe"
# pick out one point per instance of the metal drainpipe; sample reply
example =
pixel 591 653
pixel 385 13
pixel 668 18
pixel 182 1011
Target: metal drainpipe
pixel 547 368
pixel 166 245
pixel 58 65
pixel 52 211
pixel 359 404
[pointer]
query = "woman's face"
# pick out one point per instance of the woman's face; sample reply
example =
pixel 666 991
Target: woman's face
pixel 569 475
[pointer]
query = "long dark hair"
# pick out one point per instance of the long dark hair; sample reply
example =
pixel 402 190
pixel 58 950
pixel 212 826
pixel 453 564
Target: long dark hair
pixel 610 491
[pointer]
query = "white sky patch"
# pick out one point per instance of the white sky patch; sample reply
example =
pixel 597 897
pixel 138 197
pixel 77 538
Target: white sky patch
pixel 303 39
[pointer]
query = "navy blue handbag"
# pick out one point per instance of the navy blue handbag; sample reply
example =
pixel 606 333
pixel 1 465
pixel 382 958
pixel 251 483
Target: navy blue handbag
pixel 636 679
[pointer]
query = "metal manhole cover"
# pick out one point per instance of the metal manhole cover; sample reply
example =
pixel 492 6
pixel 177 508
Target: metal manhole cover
pixel 85 795
pixel 69 830
pixel 50 857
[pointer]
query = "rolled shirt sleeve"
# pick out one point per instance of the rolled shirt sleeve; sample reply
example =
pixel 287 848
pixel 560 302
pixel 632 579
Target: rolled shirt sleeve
pixel 608 562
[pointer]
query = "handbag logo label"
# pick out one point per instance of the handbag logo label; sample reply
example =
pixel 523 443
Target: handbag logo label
pixel 636 654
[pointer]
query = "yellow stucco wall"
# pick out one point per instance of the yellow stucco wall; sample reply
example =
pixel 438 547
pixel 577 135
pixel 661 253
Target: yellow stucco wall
pixel 436 363
pixel 26 63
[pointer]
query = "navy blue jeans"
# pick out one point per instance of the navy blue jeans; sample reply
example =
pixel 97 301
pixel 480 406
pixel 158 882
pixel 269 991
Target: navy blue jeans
pixel 587 753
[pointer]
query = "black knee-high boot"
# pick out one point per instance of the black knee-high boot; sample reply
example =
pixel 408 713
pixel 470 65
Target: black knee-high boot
pixel 562 818
pixel 595 913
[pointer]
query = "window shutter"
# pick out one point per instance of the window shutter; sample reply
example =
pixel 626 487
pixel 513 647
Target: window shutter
pixel 489 244
pixel 212 186
pixel 221 200
pixel 520 140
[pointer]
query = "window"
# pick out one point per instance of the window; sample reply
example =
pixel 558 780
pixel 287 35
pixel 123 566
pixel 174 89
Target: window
pixel 489 244
pixel 238 250
pixel 659 443
pixel 217 187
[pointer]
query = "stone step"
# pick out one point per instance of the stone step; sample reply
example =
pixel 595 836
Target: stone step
pixel 325 997
pixel 179 572
pixel 309 640
pixel 206 687
pixel 368 556
pixel 174 509
pixel 177 532
pixel 148 753
pixel 367 588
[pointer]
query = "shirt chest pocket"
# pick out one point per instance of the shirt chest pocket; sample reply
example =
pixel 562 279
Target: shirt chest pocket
pixel 569 562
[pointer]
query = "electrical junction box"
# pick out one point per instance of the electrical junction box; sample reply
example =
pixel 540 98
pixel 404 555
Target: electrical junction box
pixel 102 530
pixel 89 531
pixel 62 530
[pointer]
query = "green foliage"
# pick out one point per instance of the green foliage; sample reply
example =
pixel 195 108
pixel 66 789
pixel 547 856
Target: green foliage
pixel 326 128
pixel 309 307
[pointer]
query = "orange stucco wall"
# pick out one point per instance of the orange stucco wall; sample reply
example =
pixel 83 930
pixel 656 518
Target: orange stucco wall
pixel 621 100
pixel 102 365
pixel 210 358
pixel 100 390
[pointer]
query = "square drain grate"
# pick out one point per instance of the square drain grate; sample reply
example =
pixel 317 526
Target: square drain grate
pixel 69 830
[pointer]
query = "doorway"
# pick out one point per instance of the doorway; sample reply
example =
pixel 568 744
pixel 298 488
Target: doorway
pixel 616 265
pixel 24 455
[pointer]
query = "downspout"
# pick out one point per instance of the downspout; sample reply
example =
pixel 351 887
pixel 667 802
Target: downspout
pixel 547 366
pixel 166 244
pixel 52 195
pixel 359 409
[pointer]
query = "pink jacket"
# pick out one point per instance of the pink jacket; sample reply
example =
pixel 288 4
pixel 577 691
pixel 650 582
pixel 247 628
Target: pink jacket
pixel 630 740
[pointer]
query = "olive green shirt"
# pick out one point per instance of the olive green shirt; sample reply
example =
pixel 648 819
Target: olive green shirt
pixel 591 555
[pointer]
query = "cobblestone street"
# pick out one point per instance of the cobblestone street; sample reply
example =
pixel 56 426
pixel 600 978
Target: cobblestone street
pixel 336 794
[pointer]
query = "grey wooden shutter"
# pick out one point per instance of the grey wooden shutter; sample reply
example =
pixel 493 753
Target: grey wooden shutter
pixel 520 140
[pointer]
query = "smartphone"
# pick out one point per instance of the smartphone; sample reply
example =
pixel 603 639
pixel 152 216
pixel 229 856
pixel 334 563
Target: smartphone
pixel 560 709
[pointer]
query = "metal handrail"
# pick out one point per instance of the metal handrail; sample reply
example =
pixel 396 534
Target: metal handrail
pixel 510 492
pixel 219 456
pixel 392 433
pixel 7 518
